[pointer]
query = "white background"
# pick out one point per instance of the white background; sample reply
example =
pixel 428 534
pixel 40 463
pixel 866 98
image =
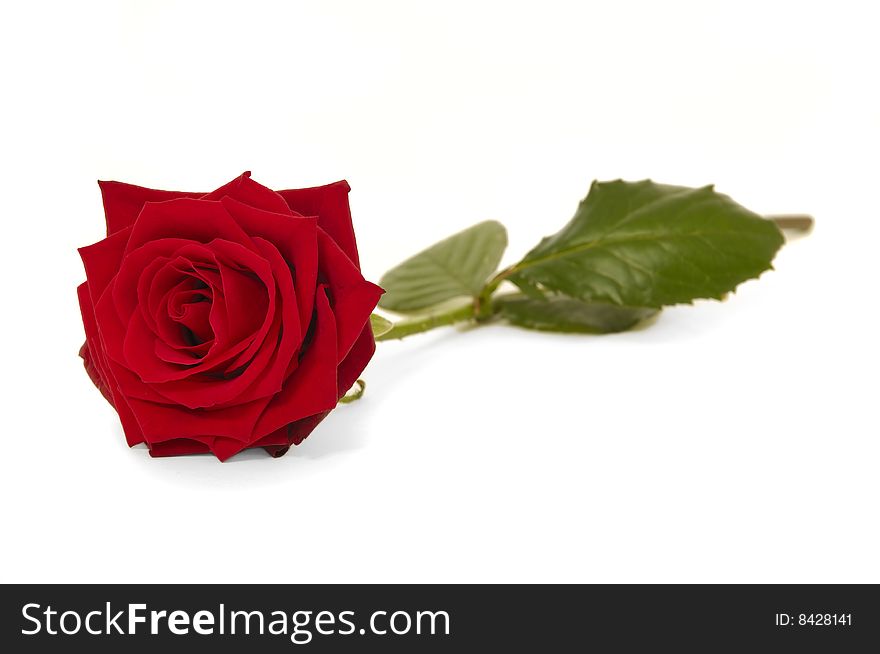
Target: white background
pixel 733 442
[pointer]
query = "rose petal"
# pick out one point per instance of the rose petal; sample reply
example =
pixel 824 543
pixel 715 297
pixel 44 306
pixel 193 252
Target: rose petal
pixel 181 356
pixel 353 297
pixel 330 204
pixel 249 300
pixel 291 337
pixel 358 358
pixel 102 260
pixel 142 262
pixel 296 433
pixel 197 220
pixel 178 447
pixel 201 392
pixel 175 306
pixel 296 239
pixel 194 317
pixel 223 448
pixel 130 385
pixel 311 388
pixel 93 372
pixel 349 370
pixel 163 279
pixel 130 426
pixel 251 193
pixel 163 422
pixel 110 325
pixel 91 348
pixel 277 437
pixel 123 202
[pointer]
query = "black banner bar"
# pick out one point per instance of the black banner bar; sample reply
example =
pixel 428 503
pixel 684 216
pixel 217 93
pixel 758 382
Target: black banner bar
pixel 439 618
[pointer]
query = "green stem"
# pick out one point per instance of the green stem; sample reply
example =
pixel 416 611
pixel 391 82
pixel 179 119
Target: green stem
pixel 483 303
pixel 426 323
pixel 794 222
pixel 358 393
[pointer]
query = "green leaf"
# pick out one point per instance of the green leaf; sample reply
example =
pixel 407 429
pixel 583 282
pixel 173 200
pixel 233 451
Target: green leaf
pixel 529 288
pixel 642 244
pixel 455 267
pixel 563 314
pixel 380 325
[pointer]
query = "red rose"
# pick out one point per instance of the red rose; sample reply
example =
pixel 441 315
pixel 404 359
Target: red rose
pixel 227 320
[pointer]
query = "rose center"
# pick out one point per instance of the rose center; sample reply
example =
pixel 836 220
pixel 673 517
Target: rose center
pixel 191 310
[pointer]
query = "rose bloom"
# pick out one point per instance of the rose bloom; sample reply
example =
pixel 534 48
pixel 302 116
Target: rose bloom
pixel 227 320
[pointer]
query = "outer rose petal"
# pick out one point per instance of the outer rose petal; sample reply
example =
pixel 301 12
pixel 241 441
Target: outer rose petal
pixel 251 193
pixel 358 358
pixel 311 388
pixel 178 447
pixel 130 426
pixel 276 438
pixel 95 352
pixel 123 202
pixel 223 448
pixel 164 422
pixel 330 204
pixel 91 362
pixel 102 260
pixel 93 372
pixel 354 298
pixel 348 372
pixel 295 433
